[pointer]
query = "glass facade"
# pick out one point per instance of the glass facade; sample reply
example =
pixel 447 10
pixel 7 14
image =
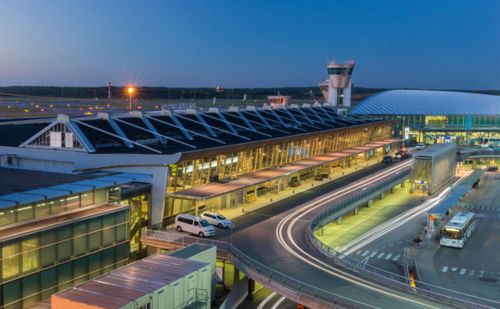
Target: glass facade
pixel 224 167
pixel 50 207
pixel 460 129
pixel 35 266
pixel 187 174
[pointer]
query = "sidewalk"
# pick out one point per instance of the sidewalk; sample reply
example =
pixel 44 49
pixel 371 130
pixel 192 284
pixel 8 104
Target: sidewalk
pixel 352 226
pixel 424 260
pixel 273 197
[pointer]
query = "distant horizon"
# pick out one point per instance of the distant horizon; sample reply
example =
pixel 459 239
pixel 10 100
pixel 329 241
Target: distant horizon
pixel 396 44
pixel 270 87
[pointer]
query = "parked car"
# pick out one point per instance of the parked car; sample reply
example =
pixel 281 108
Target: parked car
pixel 387 159
pixel 318 177
pixel 217 220
pixel 485 145
pixel 401 154
pixel 294 182
pixel 420 146
pixel 492 168
pixel 194 225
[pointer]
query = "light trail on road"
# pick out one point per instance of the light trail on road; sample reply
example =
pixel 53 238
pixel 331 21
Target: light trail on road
pixel 288 242
pixel 278 302
pixel 396 222
pixel 264 302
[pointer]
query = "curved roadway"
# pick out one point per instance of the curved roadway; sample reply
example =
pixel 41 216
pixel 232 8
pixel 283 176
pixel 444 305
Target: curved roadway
pixel 277 236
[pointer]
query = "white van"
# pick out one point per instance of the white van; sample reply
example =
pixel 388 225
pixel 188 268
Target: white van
pixel 193 225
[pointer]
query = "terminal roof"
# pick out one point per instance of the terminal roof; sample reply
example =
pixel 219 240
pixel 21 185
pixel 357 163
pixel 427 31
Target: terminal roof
pixel 129 283
pixel 22 186
pixel 18 180
pixel 166 132
pixel 428 102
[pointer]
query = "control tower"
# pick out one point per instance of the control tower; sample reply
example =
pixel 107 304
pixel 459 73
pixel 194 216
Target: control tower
pixel 339 86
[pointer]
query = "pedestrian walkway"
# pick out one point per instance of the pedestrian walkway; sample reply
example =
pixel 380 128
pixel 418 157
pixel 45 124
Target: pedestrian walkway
pixel 378 255
pixel 276 196
pixel 337 235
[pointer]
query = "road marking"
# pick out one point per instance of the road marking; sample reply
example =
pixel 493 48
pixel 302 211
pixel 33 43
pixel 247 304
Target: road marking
pixel 453 269
pixel 396 257
pixel 266 300
pixel 366 252
pixel 358 252
pixel 388 256
pixel 472 272
pixel 278 302
pixel 445 269
pixel 380 255
pixel 481 273
pixel 463 271
pixel 373 254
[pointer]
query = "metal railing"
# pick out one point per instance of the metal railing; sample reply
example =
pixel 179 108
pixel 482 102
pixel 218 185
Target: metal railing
pixel 382 276
pixel 297 290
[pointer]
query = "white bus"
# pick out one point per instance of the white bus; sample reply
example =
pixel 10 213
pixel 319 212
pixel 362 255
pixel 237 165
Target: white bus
pixel 458 230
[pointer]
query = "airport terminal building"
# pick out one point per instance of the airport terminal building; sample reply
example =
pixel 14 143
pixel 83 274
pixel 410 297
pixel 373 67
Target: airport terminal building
pixel 437 116
pixel 76 191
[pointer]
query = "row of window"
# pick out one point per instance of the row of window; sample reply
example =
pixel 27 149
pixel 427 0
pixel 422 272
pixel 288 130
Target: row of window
pixel 50 207
pixel 26 255
pixel 36 287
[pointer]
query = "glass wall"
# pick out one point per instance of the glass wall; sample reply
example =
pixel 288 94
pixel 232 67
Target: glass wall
pixel 227 166
pixel 49 207
pixel 48 261
pixel 33 288
pixel 460 129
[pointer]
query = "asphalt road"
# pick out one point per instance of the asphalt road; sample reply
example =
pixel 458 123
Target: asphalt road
pixel 256 236
pixel 476 268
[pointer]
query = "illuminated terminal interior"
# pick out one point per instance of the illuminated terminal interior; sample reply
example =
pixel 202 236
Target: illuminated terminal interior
pixel 75 192
pixel 437 116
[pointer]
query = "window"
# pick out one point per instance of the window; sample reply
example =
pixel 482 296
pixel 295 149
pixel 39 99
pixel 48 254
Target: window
pixel 73 202
pixel 108 232
pixel 8 216
pixel 101 196
pixel 64 243
pixel 56 139
pixel 80 238
pixel 48 248
pixel 25 212
pixel 10 260
pixel 30 254
pixel 87 198
pixel 95 236
pixel 68 140
pixel 42 209
pixel 57 205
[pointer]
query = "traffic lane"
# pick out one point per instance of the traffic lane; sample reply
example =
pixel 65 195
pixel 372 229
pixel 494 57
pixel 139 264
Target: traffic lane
pixel 261 246
pixel 352 290
pixel 258 241
pixel 482 250
pixel 285 206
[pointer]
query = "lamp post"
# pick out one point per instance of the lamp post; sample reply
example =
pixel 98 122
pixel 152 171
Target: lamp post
pixel 130 92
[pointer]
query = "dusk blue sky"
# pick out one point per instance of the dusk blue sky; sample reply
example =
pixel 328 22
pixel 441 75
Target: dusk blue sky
pixel 413 44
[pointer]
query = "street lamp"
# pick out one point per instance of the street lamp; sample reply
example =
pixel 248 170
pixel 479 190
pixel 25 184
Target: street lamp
pixel 130 92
